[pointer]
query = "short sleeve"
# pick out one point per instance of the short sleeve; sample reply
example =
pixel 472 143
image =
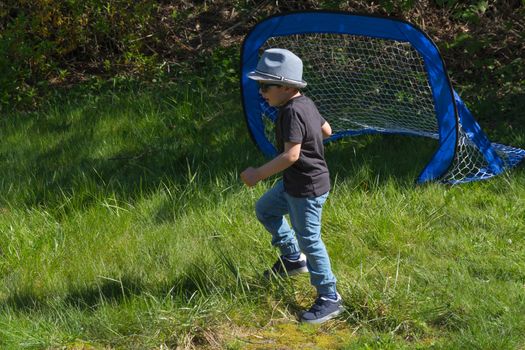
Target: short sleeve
pixel 293 128
pixel 322 120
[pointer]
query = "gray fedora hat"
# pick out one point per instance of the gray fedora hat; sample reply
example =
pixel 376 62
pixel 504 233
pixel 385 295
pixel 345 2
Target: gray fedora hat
pixel 279 66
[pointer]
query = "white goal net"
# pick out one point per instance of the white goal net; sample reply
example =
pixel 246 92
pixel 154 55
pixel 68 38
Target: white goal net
pixel 362 84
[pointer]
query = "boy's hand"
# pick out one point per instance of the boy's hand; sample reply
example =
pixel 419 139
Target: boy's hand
pixel 250 176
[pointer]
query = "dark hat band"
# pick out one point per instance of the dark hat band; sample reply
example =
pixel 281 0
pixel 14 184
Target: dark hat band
pixel 278 77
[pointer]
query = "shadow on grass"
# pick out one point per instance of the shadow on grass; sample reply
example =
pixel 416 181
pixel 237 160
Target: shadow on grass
pixel 165 136
pixel 110 291
pixel 107 291
pixel 380 158
pixel 61 151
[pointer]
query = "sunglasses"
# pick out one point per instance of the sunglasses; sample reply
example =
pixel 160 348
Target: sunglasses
pixel 266 86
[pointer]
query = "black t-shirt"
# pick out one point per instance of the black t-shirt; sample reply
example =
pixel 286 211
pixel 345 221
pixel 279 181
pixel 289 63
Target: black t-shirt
pixel 299 121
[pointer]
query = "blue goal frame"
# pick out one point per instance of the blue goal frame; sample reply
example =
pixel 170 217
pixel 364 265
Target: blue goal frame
pixel 448 106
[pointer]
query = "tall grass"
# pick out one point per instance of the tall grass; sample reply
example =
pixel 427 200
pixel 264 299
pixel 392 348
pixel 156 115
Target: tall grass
pixel 123 225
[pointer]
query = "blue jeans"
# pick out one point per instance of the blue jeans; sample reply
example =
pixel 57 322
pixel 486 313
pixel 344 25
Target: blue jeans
pixel 305 216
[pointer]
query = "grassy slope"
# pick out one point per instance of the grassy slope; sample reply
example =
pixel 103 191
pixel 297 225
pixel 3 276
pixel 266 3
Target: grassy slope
pixel 123 224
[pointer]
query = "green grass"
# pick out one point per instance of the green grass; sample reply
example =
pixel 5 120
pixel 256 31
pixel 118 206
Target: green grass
pixel 123 224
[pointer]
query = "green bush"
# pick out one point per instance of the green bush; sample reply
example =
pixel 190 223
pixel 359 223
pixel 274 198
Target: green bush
pixel 39 39
pixel 45 43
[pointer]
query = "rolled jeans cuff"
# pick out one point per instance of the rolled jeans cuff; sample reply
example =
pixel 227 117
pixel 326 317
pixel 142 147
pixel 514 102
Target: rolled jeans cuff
pixel 326 289
pixel 289 249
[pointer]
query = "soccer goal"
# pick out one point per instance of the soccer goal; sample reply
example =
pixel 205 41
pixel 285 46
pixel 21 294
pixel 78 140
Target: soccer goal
pixel 374 75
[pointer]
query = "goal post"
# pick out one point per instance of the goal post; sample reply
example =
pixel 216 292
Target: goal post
pixel 371 74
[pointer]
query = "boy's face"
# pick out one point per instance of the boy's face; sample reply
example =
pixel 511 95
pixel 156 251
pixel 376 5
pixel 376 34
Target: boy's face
pixel 276 95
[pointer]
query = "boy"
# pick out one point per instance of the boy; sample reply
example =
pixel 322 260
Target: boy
pixel 301 193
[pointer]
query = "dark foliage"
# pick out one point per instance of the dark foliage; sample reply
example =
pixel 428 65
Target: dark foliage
pixel 48 43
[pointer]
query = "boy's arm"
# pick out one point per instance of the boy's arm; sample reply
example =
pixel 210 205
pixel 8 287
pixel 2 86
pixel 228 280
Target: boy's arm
pixel 326 129
pixel 291 153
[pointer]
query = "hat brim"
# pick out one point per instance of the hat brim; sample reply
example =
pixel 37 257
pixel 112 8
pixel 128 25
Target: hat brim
pixel 264 78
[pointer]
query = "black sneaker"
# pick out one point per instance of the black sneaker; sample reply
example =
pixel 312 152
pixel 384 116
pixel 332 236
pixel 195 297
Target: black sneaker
pixel 323 310
pixel 285 267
